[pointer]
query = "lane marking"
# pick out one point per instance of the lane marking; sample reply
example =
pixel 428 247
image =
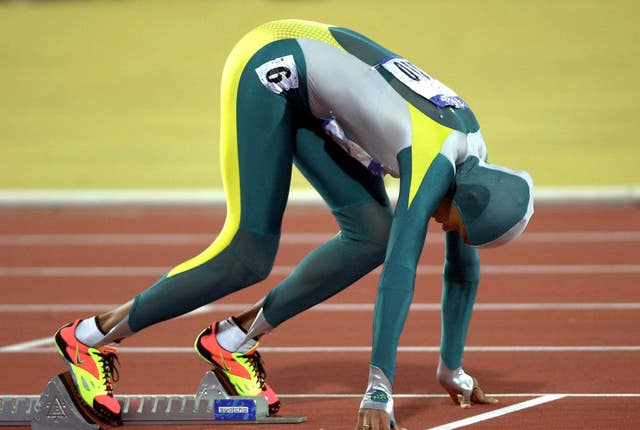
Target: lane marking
pixel 24 347
pixel 544 269
pixel 28 345
pixel 397 395
pixel 580 237
pixel 300 196
pixel 499 412
pixel 41 343
pixel 133 239
pixel 334 307
pixel 108 239
pixel 446 396
pixel 156 271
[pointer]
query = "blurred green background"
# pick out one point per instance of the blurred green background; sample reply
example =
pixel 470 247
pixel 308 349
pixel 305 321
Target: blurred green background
pixel 124 94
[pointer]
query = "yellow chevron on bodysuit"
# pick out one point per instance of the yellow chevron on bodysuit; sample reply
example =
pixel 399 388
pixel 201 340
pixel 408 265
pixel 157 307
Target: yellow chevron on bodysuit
pixel 427 137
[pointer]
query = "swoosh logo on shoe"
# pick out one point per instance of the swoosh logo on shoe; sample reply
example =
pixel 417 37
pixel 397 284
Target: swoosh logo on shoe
pixel 225 366
pixel 78 360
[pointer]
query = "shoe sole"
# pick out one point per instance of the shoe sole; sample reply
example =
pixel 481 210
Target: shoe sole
pixel 90 413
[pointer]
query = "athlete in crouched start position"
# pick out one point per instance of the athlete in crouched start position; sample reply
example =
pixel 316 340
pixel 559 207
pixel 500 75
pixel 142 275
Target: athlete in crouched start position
pixel 346 111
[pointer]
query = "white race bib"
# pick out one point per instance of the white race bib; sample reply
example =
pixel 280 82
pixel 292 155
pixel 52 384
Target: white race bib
pixel 421 83
pixel 280 74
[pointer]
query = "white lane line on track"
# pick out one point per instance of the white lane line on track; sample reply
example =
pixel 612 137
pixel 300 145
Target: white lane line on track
pixel 446 396
pixel 333 307
pixel 24 347
pixel 499 412
pixel 157 271
pixel 107 239
pixel 395 396
pixel 29 345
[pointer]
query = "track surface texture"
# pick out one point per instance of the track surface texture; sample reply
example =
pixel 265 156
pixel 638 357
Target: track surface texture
pixel 556 319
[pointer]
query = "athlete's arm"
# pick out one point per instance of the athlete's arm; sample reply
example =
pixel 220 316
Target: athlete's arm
pixel 460 280
pixel 461 276
pixel 395 290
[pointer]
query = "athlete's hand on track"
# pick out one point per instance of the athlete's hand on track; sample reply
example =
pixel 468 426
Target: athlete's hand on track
pixel 375 419
pixel 477 395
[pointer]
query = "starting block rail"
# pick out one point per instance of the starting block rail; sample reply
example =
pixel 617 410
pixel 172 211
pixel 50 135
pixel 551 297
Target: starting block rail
pixel 58 408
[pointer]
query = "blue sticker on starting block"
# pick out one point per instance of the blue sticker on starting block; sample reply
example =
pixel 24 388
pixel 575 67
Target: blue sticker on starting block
pixel 234 409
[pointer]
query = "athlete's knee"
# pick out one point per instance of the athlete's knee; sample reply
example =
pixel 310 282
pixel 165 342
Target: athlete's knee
pixel 256 252
pixel 369 222
pixel 367 225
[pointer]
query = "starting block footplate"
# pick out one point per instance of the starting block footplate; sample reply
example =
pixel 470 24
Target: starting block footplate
pixel 59 407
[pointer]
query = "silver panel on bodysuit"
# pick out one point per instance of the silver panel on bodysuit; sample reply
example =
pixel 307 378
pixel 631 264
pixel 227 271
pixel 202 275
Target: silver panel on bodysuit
pixel 368 109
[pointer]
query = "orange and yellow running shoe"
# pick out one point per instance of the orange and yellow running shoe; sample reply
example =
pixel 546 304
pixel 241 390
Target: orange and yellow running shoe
pixel 93 371
pixel 242 374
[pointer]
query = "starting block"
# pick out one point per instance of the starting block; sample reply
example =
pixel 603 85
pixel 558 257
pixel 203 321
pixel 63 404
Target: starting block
pixel 59 408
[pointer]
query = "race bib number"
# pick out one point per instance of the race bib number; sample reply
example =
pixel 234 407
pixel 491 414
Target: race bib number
pixel 421 83
pixel 279 75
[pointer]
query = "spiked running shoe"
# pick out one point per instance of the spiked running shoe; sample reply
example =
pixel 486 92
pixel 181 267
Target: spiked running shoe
pixel 242 374
pixel 93 371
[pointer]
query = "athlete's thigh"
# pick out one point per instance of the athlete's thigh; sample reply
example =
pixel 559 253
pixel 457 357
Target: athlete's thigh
pixel 340 179
pixel 257 154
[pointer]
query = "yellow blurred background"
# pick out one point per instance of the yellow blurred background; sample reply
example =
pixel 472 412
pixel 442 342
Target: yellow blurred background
pixel 124 94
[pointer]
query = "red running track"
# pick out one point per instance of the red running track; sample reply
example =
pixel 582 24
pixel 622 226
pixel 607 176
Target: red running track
pixel 558 313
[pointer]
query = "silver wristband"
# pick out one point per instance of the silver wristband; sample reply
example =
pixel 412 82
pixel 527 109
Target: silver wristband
pixel 379 393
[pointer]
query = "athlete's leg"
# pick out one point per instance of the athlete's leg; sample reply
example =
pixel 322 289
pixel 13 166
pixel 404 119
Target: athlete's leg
pixel 359 202
pixel 258 132
pixel 360 205
pixel 257 144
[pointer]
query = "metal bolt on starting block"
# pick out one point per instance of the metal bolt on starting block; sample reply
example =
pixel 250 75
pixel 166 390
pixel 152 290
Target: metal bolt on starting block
pixel 59 408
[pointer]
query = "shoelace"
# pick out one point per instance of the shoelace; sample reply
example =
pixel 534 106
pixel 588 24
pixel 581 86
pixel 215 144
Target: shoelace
pixel 257 365
pixel 108 362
